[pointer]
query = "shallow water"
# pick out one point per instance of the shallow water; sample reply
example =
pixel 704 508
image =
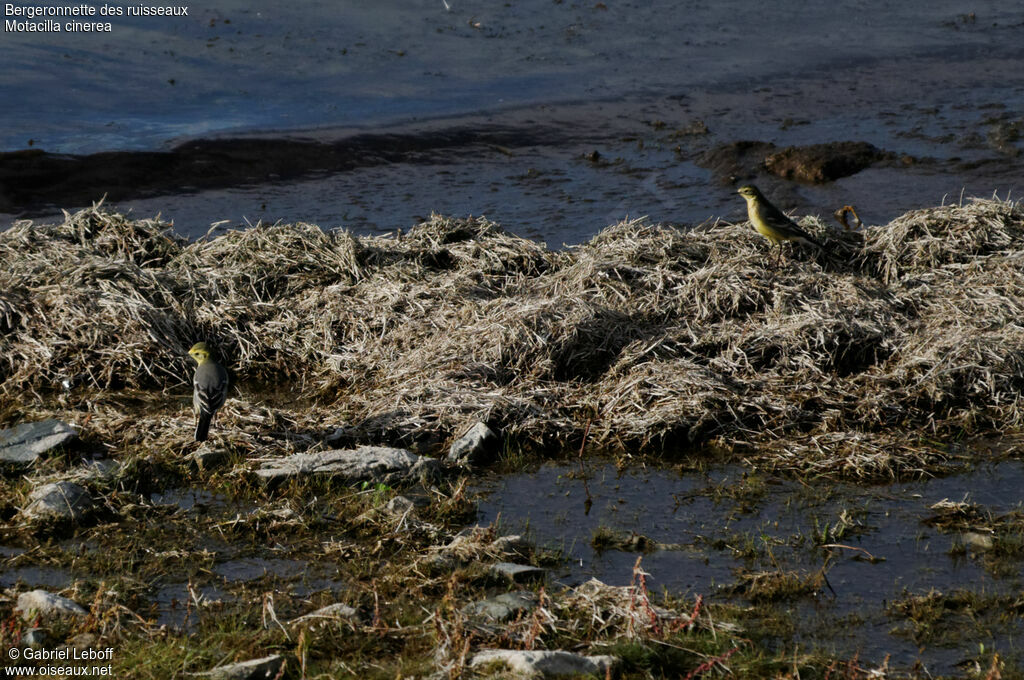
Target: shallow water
pixel 175 606
pixel 190 499
pixel 35 577
pixel 245 66
pixel 563 79
pixel 253 568
pixel 207 544
pixel 708 529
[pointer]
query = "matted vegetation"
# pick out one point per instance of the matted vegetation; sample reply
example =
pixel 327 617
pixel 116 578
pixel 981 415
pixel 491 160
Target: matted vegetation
pixel 865 363
pixel 871 362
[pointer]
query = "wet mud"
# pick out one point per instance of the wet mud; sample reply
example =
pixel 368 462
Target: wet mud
pixel 845 568
pixel 34 180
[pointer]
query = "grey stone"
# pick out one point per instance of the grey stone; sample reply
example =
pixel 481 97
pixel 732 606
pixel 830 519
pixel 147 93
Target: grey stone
pixel 425 470
pixel 34 637
pixel 474 533
pixel 978 542
pixel 337 435
pixel 511 546
pixel 44 604
pixel 502 607
pixel 207 457
pixel 102 470
pixel 26 443
pixel 58 501
pixel 476 447
pixel 374 464
pixel 598 590
pixel 399 515
pixel 254 669
pixel 400 505
pixel 464 545
pixel 517 573
pixel 331 612
pixel 83 641
pixel 546 664
pixel 283 514
pixel 439 564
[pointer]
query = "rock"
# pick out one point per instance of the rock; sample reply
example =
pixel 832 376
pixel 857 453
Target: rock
pixel 503 607
pixel 425 470
pixel 819 163
pixel 476 447
pixel 374 464
pixel 34 637
pixel 101 470
pixel 206 457
pixel 439 564
pixel 26 443
pixel 283 514
pixel 512 546
pixel 517 573
pixel 254 669
pixel 978 542
pixel 83 641
pixel 626 541
pixel 44 604
pixel 58 502
pixel 623 596
pixel 331 612
pixel 399 505
pixel 546 664
pixel 399 516
pixel 337 435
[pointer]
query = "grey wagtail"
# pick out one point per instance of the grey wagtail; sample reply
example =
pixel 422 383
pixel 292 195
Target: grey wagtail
pixel 209 388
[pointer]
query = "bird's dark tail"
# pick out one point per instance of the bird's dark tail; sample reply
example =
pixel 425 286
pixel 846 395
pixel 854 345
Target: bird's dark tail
pixel 812 241
pixel 203 426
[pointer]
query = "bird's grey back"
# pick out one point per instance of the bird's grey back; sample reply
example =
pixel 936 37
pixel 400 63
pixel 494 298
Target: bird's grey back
pixel 211 373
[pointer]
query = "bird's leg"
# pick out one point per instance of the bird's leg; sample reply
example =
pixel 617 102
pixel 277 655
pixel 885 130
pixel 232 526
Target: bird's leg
pixel 773 275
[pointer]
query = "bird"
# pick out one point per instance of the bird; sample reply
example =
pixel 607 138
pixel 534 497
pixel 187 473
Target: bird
pixel 209 388
pixel 771 222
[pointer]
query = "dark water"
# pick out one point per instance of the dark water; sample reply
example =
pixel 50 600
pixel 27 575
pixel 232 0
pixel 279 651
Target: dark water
pixel 235 66
pixel 35 577
pixel 940 81
pixel 707 527
pixel 175 606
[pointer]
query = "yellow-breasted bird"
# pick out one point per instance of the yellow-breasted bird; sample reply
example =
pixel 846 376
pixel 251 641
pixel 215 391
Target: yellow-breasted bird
pixel 771 222
pixel 209 388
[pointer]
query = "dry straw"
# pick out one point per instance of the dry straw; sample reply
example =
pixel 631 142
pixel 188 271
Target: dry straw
pixel 861 363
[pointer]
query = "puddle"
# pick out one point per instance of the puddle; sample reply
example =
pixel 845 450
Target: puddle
pixel 190 499
pixel 173 607
pixel 718 532
pixel 252 568
pixel 35 577
pixel 195 501
pixel 312 586
pixel 28 575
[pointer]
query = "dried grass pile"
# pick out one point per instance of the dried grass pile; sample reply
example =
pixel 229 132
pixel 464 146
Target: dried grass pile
pixel 656 337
